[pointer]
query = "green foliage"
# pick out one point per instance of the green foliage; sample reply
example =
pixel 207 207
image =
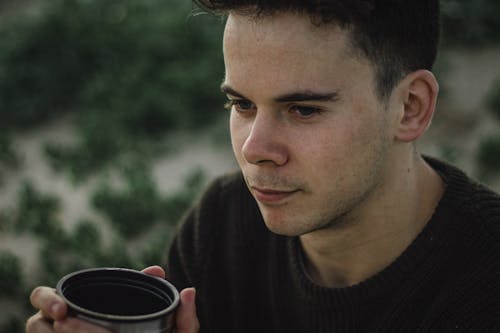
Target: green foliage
pixel 117 255
pixel 468 22
pixel 11 279
pixel 131 70
pixel 488 156
pixel 154 250
pixel 493 98
pixel 133 209
pixel 128 72
pixel 138 58
pixel 176 205
pixel 37 212
pixel 79 249
pixel 449 153
pixel 86 237
pixel 53 260
pixel 5 222
pixel 138 206
pixel 8 157
pixel 99 144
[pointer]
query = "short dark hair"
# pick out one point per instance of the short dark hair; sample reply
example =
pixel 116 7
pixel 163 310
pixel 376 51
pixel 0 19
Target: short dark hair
pixel 397 36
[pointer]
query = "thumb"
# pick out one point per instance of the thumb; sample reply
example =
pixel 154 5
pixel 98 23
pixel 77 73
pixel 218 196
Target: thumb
pixel 186 320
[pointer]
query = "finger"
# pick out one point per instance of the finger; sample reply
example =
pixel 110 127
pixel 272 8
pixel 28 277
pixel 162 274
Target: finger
pixel 186 319
pixel 73 325
pixel 155 270
pixel 38 324
pixel 51 305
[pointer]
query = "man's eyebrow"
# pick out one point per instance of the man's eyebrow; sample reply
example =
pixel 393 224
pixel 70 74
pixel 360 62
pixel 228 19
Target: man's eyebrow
pixel 230 91
pixel 299 96
pixel 305 96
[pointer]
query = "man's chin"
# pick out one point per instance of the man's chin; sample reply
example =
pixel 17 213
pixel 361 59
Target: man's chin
pixel 283 227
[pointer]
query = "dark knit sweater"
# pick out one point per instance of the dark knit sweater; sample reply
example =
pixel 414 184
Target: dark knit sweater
pixel 251 280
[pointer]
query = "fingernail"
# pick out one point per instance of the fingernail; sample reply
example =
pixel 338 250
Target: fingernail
pixel 193 297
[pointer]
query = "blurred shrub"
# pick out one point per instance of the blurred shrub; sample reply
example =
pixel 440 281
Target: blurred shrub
pixel 11 279
pixel 493 98
pixel 136 60
pixel 99 143
pixel 488 156
pixel 130 70
pixel 81 249
pixel 37 212
pixel 133 209
pixel 8 157
pixel 470 22
pixel 154 250
pixel 138 206
pixel 449 153
pixel 86 241
pixel 117 255
pixel 174 206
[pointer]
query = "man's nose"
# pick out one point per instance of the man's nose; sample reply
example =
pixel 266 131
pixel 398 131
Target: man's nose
pixel 266 141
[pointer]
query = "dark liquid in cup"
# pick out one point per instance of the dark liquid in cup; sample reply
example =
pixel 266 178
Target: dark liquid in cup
pixel 116 295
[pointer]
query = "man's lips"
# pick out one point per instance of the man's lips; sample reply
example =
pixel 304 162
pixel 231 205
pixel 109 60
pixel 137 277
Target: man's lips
pixel 266 195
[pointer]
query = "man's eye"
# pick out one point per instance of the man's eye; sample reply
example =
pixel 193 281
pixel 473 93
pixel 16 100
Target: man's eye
pixel 240 105
pixel 304 111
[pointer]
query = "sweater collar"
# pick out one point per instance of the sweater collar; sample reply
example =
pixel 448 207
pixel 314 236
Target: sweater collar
pixel 430 249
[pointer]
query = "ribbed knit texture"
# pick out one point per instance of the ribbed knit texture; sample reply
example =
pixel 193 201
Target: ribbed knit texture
pixel 251 280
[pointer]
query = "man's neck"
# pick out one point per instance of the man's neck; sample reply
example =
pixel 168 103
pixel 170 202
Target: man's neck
pixel 360 246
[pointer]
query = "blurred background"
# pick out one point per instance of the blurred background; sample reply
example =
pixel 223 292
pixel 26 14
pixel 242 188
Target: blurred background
pixel 111 122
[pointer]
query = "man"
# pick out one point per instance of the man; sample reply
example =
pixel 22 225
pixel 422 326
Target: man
pixel 335 223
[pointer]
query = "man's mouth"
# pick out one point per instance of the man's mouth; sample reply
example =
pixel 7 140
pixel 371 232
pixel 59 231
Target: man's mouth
pixel 271 196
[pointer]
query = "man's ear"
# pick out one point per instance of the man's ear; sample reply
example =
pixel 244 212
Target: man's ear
pixel 419 93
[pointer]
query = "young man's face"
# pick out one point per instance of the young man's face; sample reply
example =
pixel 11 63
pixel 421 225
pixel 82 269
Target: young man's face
pixel 309 133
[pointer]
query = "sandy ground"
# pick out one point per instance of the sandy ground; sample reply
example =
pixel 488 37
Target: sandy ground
pixel 170 171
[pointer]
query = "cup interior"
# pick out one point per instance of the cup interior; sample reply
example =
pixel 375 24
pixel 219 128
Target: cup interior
pixel 117 292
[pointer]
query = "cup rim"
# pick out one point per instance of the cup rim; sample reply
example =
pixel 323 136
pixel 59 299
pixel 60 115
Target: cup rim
pixel 111 317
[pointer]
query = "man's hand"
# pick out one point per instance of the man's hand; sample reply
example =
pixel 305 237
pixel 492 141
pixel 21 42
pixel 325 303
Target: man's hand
pixel 186 321
pixel 52 315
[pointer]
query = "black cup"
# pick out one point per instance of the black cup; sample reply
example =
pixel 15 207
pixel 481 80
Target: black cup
pixel 120 299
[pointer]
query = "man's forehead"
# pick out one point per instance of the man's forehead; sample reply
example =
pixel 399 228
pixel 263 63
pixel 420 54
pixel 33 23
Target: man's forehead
pixel 282 37
pixel 280 26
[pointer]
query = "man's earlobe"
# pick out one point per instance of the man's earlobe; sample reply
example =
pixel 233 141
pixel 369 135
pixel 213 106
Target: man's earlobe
pixel 420 90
